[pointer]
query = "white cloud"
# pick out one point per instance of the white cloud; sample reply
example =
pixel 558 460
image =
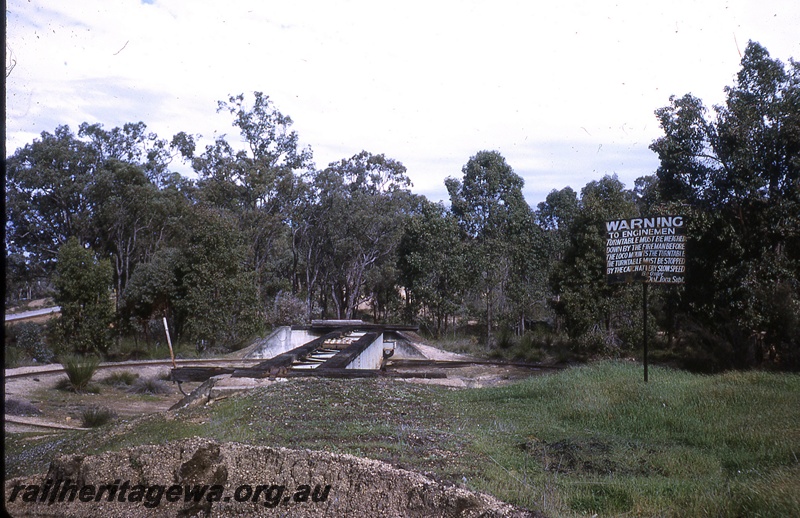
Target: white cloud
pixel 565 91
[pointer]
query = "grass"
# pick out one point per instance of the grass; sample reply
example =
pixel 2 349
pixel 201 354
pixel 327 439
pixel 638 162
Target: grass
pixel 612 444
pixel 588 440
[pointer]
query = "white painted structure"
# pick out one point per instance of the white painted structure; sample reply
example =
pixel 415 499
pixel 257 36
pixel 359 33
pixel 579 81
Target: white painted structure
pixel 281 340
pixel 371 357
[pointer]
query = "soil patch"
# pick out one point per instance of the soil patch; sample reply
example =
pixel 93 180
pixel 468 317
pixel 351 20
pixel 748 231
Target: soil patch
pixel 39 390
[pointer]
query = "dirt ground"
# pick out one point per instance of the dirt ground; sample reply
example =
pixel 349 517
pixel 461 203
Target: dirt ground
pixel 63 408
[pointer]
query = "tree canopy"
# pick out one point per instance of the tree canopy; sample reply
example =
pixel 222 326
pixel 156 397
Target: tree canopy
pixel 736 172
pixel 261 236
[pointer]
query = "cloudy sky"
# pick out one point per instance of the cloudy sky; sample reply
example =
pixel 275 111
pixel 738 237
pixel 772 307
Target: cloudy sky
pixel 564 90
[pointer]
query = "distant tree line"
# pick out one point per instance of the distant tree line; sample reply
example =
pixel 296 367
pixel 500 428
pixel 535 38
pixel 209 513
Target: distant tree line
pixel 260 236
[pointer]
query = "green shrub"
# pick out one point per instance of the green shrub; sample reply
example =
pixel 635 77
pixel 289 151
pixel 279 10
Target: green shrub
pixel 24 342
pixel 30 339
pixel 79 370
pixel 505 338
pixel 93 417
pixel 12 357
pixel 82 283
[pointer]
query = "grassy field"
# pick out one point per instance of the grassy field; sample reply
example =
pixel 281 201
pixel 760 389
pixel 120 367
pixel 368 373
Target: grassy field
pixel 588 440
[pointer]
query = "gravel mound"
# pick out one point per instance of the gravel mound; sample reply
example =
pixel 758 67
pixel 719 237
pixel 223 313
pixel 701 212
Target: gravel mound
pixel 239 480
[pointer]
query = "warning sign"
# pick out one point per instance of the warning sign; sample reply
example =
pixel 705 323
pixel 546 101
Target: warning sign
pixel 646 249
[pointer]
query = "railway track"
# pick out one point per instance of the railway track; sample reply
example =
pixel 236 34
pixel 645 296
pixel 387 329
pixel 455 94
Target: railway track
pixel 222 362
pixel 55 369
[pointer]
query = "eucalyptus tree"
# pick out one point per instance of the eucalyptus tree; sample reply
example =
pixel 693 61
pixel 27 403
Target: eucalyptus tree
pixel 491 210
pixel 132 144
pixel 432 265
pixel 259 181
pixel 151 293
pixel 47 196
pixel 555 215
pixel 199 281
pixel 359 206
pixel 582 298
pixel 308 236
pixel 102 187
pixel 136 200
pixel 527 290
pixel 214 299
pixel 128 216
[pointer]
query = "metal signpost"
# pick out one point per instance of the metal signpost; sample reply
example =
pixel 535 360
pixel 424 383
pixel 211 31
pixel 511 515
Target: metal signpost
pixel 647 250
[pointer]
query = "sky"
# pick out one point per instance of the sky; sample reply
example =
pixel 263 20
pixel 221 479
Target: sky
pixel 565 91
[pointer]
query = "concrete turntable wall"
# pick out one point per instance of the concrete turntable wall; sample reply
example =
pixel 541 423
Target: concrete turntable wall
pixel 371 357
pixel 286 338
pixel 281 340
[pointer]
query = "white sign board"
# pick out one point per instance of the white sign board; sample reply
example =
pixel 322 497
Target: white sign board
pixel 646 250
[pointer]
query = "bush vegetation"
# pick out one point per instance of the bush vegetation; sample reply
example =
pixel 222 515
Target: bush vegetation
pixel 27 342
pixel 121 379
pixel 93 417
pixel 231 251
pixel 150 386
pixel 79 370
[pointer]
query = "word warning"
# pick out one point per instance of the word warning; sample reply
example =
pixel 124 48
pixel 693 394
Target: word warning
pixel 646 250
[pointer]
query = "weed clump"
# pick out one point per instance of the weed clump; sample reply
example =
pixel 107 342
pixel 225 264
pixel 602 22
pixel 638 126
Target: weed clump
pixel 121 379
pixel 93 417
pixel 150 386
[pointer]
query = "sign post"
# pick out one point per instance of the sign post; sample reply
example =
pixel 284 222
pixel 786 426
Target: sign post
pixel 644 326
pixel 647 250
pixel 169 342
